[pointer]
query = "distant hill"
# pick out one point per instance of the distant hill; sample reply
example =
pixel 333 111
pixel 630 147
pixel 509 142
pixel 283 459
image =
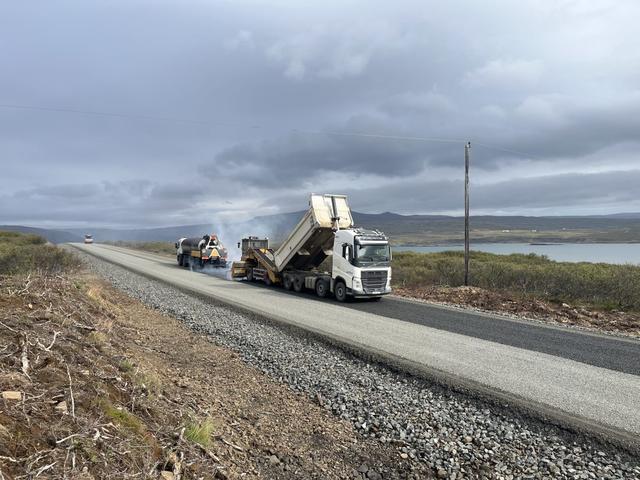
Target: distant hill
pixel 54 236
pixel 402 229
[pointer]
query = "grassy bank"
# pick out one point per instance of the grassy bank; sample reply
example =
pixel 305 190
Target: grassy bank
pixel 599 284
pixel 164 248
pixel 24 253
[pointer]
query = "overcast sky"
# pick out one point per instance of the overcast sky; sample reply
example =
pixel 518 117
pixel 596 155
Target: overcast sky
pixel 216 109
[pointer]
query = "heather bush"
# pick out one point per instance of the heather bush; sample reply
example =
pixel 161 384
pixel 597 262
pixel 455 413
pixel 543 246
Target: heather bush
pixel 601 284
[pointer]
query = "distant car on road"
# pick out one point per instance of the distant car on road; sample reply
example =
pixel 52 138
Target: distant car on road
pixel 88 238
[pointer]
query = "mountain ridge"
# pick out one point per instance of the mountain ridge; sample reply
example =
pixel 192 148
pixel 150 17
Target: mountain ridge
pixel 406 227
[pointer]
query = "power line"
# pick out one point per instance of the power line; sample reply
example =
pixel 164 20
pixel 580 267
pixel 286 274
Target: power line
pixel 255 127
pixel 506 150
pixel 126 115
pixel 381 136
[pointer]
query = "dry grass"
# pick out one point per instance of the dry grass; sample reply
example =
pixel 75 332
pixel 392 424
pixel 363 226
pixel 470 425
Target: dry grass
pixel 84 405
pixel 111 389
pixel 200 432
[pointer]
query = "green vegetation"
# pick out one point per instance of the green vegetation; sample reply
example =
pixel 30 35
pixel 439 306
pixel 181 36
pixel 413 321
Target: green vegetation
pixel 599 284
pixel 165 248
pixel 126 366
pixel 24 253
pixel 121 416
pixel 200 432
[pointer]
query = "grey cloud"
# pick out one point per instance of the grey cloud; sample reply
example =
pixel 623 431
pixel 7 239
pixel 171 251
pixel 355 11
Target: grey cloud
pixel 554 193
pixel 299 157
pixel 561 86
pixel 505 74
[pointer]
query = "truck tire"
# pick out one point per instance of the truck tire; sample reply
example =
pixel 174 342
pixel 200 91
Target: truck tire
pixel 250 275
pixel 179 258
pixel 267 279
pixel 298 284
pixel 340 291
pixel 322 288
pixel 287 281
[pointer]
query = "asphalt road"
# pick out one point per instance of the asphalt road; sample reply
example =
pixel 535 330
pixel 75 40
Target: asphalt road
pixel 604 351
pixel 586 380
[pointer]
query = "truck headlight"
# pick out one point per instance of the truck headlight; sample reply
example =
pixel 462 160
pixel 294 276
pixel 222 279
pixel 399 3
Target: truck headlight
pixel 357 284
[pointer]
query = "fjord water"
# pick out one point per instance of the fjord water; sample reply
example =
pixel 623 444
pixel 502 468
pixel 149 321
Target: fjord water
pixel 619 253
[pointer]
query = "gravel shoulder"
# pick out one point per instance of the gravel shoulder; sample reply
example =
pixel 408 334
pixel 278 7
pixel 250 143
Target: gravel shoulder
pixel 453 435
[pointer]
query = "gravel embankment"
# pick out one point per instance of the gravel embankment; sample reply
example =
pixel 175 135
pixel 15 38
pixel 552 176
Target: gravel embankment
pixel 457 436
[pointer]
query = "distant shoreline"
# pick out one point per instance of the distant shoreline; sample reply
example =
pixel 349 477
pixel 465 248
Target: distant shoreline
pixel 514 242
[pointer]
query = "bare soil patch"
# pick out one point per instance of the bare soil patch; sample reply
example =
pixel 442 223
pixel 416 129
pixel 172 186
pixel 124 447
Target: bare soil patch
pixel 97 386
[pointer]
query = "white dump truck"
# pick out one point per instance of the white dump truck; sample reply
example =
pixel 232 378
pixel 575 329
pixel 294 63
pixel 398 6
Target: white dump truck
pixel 357 262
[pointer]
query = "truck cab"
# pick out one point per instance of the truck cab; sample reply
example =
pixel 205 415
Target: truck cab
pixel 362 261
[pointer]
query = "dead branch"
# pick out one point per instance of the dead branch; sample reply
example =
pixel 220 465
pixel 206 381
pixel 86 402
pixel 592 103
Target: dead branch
pixel 8 327
pixel 39 456
pixel 26 285
pixel 235 447
pixel 44 469
pixel 214 457
pixel 84 327
pixel 25 358
pixel 73 402
pixel 55 335
pixel 58 442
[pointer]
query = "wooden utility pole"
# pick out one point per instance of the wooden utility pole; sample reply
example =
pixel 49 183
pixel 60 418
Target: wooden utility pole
pixel 467 149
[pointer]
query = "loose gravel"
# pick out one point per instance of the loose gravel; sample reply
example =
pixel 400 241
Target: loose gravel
pixel 457 436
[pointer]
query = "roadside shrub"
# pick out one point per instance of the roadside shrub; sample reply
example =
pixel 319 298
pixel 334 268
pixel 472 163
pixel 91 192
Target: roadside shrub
pixel 153 247
pixel 600 284
pixel 20 253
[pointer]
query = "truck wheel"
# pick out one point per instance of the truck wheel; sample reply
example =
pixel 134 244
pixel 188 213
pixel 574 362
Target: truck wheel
pixel 288 282
pixel 340 291
pixel 179 258
pixel 267 279
pixel 250 275
pixel 322 288
pixel 298 284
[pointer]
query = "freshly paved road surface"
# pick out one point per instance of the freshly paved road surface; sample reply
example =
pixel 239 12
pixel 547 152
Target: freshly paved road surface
pixel 585 379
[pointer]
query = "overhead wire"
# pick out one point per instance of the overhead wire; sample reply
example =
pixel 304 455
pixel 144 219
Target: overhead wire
pixel 254 126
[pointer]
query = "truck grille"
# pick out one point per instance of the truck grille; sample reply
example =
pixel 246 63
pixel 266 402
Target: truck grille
pixel 374 281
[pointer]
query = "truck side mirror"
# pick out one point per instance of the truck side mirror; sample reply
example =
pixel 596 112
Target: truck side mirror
pixel 238 244
pixel 176 245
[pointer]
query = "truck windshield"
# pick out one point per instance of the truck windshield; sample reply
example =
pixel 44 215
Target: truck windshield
pixel 370 254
